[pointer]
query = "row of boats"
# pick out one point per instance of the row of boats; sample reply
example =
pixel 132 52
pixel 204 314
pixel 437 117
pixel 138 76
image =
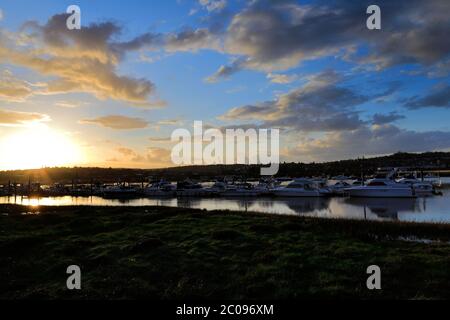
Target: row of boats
pixel 301 187
pixel 379 187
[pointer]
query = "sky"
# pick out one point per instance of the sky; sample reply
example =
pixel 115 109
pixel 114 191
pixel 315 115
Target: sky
pixel 112 93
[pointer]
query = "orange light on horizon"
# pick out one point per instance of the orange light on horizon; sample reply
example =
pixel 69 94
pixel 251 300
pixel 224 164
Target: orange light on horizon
pixel 37 146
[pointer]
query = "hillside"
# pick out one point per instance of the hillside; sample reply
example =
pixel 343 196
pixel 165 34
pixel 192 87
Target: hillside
pixel 430 161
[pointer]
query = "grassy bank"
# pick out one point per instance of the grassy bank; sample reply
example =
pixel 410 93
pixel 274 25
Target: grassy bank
pixel 170 253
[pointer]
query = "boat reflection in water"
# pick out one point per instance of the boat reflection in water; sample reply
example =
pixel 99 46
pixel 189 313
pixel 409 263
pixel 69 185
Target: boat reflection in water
pixel 434 209
pixel 385 208
pixel 307 205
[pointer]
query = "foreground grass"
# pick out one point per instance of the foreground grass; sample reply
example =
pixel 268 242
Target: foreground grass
pixel 171 253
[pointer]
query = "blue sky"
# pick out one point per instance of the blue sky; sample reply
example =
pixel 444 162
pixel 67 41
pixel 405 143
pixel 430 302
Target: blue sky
pixel 309 68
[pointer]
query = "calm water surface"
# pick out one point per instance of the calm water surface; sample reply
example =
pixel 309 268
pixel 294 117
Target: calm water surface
pixel 430 209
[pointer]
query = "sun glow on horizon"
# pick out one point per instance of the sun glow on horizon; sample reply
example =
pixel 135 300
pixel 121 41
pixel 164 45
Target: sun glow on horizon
pixel 37 146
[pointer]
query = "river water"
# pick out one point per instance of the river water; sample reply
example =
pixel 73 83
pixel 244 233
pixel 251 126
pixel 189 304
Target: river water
pixel 429 209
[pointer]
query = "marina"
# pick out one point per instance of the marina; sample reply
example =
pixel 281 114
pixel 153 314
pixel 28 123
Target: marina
pixel 389 195
pixel 418 209
pixel 390 185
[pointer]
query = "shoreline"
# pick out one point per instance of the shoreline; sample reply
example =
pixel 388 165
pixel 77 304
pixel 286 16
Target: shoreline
pixel 173 253
pixel 15 209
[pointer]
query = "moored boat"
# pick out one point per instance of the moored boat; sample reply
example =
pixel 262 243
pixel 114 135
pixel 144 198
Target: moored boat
pixel 420 188
pixel 189 188
pixel 382 188
pixel 241 190
pixel 297 188
pixel 338 189
pixel 160 189
pixel 120 190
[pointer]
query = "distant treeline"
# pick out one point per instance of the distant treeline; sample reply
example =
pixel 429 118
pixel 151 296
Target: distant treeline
pixel 430 161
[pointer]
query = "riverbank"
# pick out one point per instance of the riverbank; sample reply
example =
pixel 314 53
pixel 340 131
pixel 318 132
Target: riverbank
pixel 174 253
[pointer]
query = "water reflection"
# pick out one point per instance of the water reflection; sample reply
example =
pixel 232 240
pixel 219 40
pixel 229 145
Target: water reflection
pixel 384 208
pixel 433 209
pixel 307 205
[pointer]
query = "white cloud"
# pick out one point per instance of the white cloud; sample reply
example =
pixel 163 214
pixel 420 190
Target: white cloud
pixel 70 104
pixel 281 78
pixel 213 5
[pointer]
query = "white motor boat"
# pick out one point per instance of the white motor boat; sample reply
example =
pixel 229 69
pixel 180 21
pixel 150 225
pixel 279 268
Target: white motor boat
pixel 120 190
pixel 338 189
pixel 421 188
pixel 160 189
pixel 382 188
pixel 241 190
pixel 297 188
pixel 189 188
pixel 265 187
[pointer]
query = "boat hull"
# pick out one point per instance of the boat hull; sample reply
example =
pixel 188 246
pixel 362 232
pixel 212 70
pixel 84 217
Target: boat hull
pixel 365 192
pixel 424 192
pixel 296 193
pixel 240 193
pixel 120 194
pixel 195 193
pixel 159 193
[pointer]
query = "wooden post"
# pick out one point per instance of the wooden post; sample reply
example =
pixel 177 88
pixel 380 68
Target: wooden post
pixel 362 171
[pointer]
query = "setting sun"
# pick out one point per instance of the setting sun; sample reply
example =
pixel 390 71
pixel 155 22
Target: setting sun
pixel 37 146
